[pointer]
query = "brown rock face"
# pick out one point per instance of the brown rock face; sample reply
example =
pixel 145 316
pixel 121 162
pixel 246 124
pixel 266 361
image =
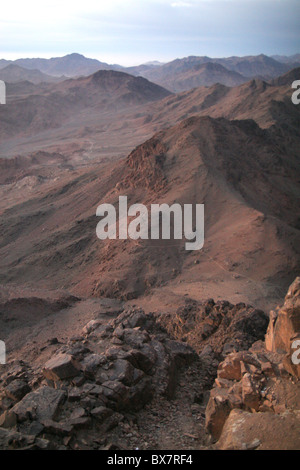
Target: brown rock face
pixel 284 329
pixel 61 367
pixel 263 431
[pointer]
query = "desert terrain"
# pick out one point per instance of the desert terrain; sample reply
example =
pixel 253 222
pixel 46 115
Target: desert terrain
pixel 117 318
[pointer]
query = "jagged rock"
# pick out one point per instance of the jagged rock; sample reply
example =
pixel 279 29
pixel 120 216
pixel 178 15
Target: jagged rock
pixel 17 389
pixel 116 393
pixel 91 326
pixel 223 383
pixel 91 363
pixel 223 326
pixel 135 337
pixel 78 413
pixel 101 413
pixel 217 411
pixel 284 327
pixel 61 366
pixel 58 429
pixel 78 423
pixel 250 392
pixel 41 404
pixel 230 369
pixel 236 364
pixel 74 394
pixel 143 359
pixel 265 431
pixel 219 406
pixel 11 440
pixel 123 371
pixel 8 419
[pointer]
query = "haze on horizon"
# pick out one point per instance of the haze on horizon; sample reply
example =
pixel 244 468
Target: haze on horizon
pixel 130 32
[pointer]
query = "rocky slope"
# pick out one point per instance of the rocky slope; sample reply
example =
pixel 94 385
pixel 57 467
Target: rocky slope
pixel 126 382
pixel 256 399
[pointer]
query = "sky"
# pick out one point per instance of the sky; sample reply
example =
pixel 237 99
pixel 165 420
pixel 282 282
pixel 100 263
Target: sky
pixel 130 32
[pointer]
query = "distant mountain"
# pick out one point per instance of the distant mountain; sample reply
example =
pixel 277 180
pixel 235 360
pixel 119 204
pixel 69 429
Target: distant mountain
pixel 202 75
pixel 13 73
pixel 250 66
pixel 4 63
pixel 254 66
pixel 105 90
pixel 292 59
pixel 70 65
pixel 288 78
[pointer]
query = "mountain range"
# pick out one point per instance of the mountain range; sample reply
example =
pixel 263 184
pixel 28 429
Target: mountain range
pixel 177 75
pixel 223 146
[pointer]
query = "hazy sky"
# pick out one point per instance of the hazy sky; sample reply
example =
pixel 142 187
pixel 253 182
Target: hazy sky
pixel 135 31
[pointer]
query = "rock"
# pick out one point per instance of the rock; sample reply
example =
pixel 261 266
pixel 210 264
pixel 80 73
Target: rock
pixel 61 367
pixel 217 411
pixel 266 431
pixel 8 419
pixel 230 369
pixel 78 413
pixel 284 327
pixel 250 392
pixel 33 429
pixel 58 429
pixel 78 423
pixel 17 389
pixel 91 363
pixel 223 383
pixel 182 353
pixel 91 326
pixel 41 404
pixel 123 371
pixel 236 364
pixel 116 393
pixel 143 359
pixel 135 337
pixel 11 440
pixel 74 394
pixel 101 413
pixel 221 325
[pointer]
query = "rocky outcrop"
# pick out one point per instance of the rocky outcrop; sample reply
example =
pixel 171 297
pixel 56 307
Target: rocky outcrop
pixel 92 382
pixel 223 326
pixel 283 335
pixel 258 381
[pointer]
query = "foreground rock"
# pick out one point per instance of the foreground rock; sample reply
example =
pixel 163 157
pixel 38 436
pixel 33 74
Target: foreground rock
pixel 262 431
pixel 283 335
pixel 61 367
pixel 222 326
pixel 259 381
pixel 92 382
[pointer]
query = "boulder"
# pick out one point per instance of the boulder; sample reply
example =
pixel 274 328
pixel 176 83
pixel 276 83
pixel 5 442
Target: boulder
pixel 60 367
pixel 17 389
pixel 217 411
pixel 41 404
